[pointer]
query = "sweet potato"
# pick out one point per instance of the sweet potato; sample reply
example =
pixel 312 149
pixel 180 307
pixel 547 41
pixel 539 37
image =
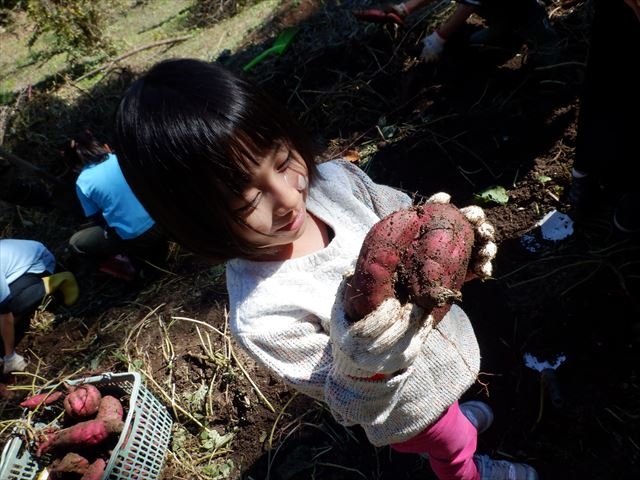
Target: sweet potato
pixel 95 470
pixel 46 398
pixel 81 435
pixel 420 254
pixel 82 401
pixel 376 269
pixel 110 409
pixel 70 463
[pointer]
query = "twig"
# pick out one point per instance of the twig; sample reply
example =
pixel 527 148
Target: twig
pixel 253 384
pixel 130 53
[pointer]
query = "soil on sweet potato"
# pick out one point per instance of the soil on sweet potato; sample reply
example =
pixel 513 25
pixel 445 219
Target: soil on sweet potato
pixel 474 120
pixel 418 255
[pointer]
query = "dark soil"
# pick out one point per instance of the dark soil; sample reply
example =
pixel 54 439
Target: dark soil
pixel 474 120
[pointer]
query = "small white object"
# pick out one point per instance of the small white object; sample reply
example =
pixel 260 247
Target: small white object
pixel 432 47
pixel 535 364
pixel 555 226
pixel 440 197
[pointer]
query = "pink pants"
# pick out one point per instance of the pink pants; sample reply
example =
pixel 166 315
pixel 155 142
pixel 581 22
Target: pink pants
pixel 450 443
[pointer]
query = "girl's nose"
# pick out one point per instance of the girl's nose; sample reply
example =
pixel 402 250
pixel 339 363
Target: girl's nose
pixel 286 194
pixel 295 180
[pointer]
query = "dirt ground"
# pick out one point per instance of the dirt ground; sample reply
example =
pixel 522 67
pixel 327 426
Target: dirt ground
pixel 474 120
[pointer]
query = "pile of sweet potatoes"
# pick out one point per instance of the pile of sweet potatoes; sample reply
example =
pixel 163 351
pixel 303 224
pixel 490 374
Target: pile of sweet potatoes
pixel 91 423
pixel 419 255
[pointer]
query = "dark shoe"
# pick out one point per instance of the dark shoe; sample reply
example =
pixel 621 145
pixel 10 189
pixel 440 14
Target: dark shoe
pixel 626 216
pixel 542 40
pixel 583 193
pixel 494 36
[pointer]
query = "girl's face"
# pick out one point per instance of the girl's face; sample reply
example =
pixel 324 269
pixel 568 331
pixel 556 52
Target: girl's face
pixel 272 208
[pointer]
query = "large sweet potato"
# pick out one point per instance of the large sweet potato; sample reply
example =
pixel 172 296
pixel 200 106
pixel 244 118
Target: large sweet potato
pixel 420 254
pixel 70 463
pixel 83 435
pixel 46 398
pixel 82 401
pixel 110 408
pixel 95 470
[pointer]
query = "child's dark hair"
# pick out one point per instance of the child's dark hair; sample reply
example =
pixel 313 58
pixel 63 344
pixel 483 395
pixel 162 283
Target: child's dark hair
pixel 84 149
pixel 187 134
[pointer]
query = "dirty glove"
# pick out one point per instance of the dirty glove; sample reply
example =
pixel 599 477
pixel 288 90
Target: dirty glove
pixel 432 47
pixel 484 247
pixel 399 9
pixel 382 343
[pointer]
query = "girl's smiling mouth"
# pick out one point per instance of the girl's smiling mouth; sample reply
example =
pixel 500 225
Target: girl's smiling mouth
pixel 296 223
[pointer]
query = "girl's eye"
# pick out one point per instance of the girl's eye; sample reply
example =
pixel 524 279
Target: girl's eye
pixel 250 206
pixel 285 163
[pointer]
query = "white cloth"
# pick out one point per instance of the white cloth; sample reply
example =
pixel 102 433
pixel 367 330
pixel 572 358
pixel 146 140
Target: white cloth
pixel 283 314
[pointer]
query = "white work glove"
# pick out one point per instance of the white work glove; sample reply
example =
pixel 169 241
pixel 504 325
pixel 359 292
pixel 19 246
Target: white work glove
pixel 433 45
pixel 484 247
pixel 385 341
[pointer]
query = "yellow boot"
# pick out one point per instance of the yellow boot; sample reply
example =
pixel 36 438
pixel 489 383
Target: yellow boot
pixel 66 283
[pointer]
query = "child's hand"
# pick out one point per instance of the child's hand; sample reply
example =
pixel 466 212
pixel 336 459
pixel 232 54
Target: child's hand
pixel 484 247
pixel 432 47
pixel 383 343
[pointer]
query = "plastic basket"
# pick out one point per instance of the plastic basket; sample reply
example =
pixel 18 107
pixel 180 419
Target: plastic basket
pixel 141 448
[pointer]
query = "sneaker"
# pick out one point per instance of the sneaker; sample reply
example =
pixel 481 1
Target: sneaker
pixel 491 469
pixel 478 413
pixel 16 364
pixel 626 216
pixel 543 41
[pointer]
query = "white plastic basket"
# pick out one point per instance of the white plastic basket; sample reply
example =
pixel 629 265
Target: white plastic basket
pixel 141 448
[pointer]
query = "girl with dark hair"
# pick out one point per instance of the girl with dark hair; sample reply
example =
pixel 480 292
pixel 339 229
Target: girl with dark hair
pixel 229 175
pixel 121 227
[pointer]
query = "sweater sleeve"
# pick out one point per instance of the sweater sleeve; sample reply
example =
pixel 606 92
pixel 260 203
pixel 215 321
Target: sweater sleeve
pixel 382 199
pixel 298 353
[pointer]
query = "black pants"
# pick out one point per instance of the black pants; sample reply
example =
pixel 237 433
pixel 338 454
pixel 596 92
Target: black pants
pixel 102 242
pixel 27 293
pixel 607 134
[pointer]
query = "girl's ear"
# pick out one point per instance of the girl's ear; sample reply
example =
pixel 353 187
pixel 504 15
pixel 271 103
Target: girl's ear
pixel 107 148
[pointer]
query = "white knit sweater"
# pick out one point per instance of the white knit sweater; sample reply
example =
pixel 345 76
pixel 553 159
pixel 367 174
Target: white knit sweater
pixel 288 315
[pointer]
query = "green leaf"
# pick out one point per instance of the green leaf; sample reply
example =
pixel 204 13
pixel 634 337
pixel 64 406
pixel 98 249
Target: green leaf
pixel 543 178
pixel 210 439
pixel 495 194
